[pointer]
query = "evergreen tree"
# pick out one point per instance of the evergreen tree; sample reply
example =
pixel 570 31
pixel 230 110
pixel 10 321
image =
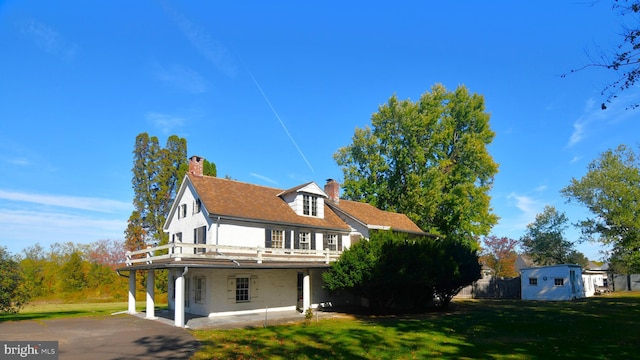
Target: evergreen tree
pixel 157 173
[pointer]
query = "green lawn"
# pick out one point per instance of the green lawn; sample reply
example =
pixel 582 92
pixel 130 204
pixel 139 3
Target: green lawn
pixel 596 328
pixel 45 311
pixel 605 327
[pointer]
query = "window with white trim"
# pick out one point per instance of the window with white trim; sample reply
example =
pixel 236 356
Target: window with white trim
pixel 533 281
pixel 277 239
pixel 305 240
pixel 332 241
pixel 182 211
pixel 310 205
pixel 200 289
pixel 197 206
pixel 242 289
pixel 558 282
pixel 200 237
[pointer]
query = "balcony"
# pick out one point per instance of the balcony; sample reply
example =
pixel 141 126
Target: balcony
pixel 202 253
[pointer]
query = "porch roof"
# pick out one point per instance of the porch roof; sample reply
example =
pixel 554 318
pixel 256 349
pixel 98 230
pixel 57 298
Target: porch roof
pixel 222 264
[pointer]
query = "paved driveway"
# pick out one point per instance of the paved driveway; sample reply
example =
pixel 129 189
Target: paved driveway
pixel 101 338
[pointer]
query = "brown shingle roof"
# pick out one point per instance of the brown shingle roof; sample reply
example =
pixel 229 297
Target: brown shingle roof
pixel 223 197
pixel 370 215
pixel 254 202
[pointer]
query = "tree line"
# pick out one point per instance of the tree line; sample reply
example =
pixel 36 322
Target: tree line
pixel 64 272
pixel 427 159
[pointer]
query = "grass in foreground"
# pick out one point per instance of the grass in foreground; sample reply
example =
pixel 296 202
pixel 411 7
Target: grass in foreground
pixel 47 311
pixel 595 328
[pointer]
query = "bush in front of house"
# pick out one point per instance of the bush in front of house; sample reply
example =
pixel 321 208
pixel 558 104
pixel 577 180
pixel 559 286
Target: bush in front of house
pixel 399 272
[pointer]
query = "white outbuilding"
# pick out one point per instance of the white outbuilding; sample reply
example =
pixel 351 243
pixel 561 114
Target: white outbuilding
pixel 554 282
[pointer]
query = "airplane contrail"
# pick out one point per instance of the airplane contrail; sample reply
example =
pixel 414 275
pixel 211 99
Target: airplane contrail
pixel 280 120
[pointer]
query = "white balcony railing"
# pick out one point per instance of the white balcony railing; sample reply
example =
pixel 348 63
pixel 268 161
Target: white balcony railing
pixel 183 251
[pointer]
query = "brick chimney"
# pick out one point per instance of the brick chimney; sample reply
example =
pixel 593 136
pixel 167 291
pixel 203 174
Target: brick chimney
pixel 196 165
pixel 332 188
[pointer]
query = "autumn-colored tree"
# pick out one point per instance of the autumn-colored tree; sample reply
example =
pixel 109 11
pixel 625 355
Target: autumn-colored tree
pixel 106 252
pixel 499 253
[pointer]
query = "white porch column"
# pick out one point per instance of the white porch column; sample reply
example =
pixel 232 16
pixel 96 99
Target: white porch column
pixel 151 305
pixel 179 301
pixel 306 292
pixel 132 292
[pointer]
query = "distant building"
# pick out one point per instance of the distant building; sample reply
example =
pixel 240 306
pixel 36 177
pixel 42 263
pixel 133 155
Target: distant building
pixel 554 282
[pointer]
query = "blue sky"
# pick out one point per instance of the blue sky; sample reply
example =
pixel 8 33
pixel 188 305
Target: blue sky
pixel 268 91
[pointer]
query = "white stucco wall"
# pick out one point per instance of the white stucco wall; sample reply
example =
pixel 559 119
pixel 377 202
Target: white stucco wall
pixel 272 289
pixel 545 289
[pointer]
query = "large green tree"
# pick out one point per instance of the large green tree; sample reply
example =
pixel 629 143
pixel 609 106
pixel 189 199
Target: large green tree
pixel 157 173
pixel 544 240
pixel 427 159
pixel 13 288
pixel 611 192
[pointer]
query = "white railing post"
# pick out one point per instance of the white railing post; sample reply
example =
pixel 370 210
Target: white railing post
pixel 326 256
pixel 128 258
pixel 260 250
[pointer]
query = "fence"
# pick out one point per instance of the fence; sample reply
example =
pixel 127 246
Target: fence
pixel 622 282
pixel 492 288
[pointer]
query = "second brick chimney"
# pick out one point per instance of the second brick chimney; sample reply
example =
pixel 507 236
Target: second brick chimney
pixel 196 165
pixel 332 189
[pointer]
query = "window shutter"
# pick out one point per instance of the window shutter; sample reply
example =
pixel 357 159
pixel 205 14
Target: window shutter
pixel 204 234
pixel 254 287
pixel 231 288
pixel 267 238
pixel 296 239
pixel 325 242
pixel 287 239
pixel 339 242
pixel 313 240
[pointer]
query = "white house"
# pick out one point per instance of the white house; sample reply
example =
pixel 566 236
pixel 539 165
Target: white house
pixel 555 282
pixel 595 282
pixel 239 248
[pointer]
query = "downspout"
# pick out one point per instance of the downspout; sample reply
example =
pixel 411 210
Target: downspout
pixel 186 270
pixel 217 227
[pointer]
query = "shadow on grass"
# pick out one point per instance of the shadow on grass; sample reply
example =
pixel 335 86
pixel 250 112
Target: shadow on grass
pixel 594 328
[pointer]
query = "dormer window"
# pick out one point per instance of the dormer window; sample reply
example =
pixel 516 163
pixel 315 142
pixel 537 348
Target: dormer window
pixel 310 205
